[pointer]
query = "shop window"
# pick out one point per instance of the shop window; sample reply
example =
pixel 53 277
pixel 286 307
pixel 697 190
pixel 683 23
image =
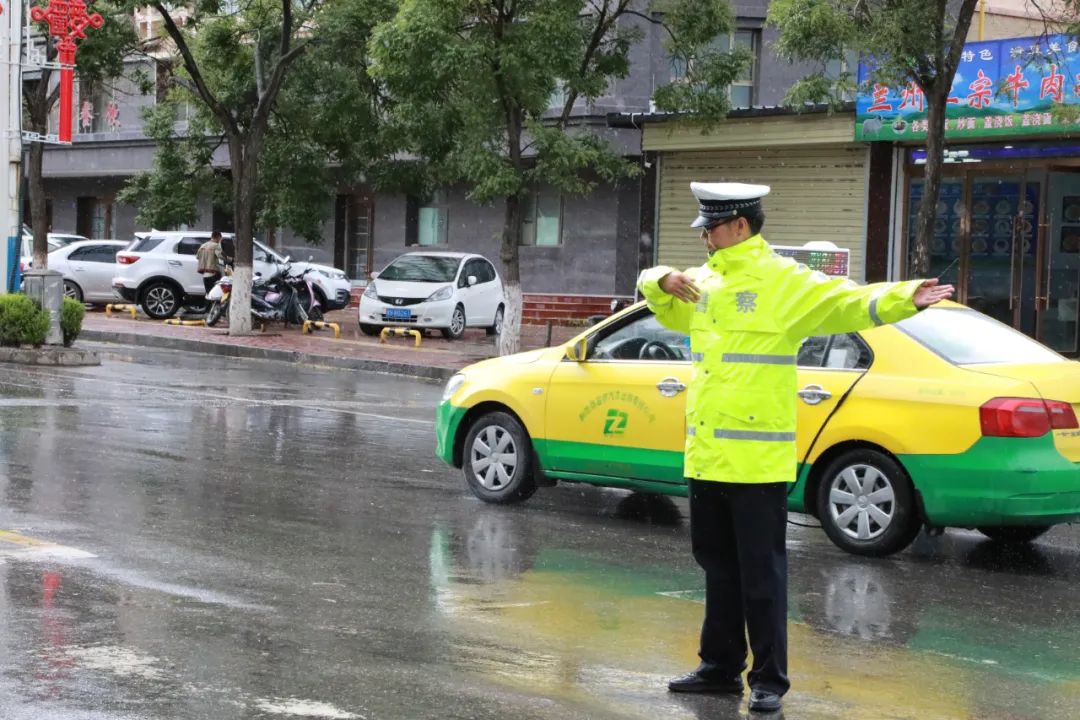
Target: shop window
pixel 541 219
pixel 427 221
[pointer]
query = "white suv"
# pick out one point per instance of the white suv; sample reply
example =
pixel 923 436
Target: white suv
pixel 160 272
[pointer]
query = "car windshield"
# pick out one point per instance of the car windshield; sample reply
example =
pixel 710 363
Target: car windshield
pixel 967 337
pixel 422 268
pixel 63 240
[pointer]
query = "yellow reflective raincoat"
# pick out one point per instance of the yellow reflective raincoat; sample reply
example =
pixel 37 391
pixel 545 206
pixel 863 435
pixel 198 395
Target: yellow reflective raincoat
pixel 755 310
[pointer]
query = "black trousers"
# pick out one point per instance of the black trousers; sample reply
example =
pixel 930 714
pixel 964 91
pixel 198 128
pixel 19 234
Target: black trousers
pixel 738 534
pixel 210 280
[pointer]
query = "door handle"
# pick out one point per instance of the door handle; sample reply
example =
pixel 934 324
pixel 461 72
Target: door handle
pixel 176 263
pixel 670 387
pixel 814 394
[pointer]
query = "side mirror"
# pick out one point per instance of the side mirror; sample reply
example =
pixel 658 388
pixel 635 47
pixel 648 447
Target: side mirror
pixel 288 258
pixel 374 274
pixel 472 280
pixel 579 351
pixel 310 258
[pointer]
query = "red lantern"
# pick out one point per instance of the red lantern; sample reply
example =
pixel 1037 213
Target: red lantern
pixel 67 20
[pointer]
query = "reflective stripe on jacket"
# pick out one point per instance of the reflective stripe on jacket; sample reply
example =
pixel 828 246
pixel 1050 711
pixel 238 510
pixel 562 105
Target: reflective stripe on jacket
pixel 755 310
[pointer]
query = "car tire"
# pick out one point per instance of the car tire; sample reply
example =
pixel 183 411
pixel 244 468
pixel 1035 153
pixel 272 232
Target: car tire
pixel 73 291
pixel 457 324
pixel 867 493
pixel 497 327
pixel 509 477
pixel 370 330
pixel 1015 534
pixel 160 300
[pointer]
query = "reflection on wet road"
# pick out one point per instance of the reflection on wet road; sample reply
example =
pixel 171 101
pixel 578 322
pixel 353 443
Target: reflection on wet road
pixel 195 537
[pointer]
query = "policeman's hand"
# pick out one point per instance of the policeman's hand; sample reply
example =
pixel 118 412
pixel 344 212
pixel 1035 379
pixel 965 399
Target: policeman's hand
pixel 681 286
pixel 931 293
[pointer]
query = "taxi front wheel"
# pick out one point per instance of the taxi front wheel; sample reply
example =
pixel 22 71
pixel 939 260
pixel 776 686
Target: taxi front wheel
pixel 866 504
pixel 498 459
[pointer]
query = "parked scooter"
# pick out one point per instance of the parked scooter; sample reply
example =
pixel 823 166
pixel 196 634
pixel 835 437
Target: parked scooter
pixel 218 297
pixel 285 297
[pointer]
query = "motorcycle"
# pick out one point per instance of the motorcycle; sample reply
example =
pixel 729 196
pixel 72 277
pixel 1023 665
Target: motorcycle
pixel 218 297
pixel 282 296
pixel 286 297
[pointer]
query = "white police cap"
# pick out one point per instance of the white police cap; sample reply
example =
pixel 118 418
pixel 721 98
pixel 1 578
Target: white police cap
pixel 720 201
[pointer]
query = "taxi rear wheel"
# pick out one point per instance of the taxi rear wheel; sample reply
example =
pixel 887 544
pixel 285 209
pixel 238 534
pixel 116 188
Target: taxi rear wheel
pixel 1015 533
pixel 866 504
pixel 498 459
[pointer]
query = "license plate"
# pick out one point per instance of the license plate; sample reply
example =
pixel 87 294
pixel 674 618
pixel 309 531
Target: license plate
pixel 398 314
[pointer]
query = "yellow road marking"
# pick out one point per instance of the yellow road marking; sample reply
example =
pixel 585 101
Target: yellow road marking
pixel 17 539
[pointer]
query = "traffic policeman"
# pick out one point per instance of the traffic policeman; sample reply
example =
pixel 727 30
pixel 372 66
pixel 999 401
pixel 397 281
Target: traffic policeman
pixel 747 311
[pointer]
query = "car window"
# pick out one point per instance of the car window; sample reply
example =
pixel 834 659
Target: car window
pixel 103 253
pixel 146 244
pixel 487 272
pixel 422 268
pixel 471 268
pixel 81 254
pixel 189 246
pixel 261 255
pixel 847 352
pixel 643 338
pixel 967 337
pixel 812 352
pixel 836 352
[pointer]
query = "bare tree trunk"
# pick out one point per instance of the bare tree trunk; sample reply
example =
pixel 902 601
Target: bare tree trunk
pixel 244 178
pixel 38 207
pixel 509 340
pixel 924 224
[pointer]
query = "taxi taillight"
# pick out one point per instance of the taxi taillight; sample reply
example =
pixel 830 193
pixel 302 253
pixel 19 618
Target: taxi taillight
pixel 1025 417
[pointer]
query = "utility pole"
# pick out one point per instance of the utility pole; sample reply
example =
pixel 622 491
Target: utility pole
pixel 11 32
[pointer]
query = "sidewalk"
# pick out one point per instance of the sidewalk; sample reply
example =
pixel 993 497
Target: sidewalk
pixel 436 358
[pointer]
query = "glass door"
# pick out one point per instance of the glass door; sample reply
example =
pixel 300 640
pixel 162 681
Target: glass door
pixel 986 241
pixel 1058 296
pixel 948 240
pixel 1001 272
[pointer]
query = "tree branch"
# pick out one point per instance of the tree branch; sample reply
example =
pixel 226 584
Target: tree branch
pixel 203 90
pixel 654 21
pixel 956 46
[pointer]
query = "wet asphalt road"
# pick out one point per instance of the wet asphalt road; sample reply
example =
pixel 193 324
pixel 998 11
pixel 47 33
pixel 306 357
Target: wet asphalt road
pixel 198 537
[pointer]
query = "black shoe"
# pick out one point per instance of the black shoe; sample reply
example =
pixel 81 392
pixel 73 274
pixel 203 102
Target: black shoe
pixel 765 701
pixel 697 682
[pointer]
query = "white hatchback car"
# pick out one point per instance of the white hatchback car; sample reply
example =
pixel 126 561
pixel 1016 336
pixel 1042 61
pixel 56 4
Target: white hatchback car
pixel 160 273
pixel 447 291
pixel 88 267
pixel 55 240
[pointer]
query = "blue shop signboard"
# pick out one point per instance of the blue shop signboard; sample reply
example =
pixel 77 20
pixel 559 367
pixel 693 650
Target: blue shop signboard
pixel 1002 87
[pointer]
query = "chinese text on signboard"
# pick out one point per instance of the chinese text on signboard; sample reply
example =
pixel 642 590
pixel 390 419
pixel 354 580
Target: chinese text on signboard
pixel 1002 87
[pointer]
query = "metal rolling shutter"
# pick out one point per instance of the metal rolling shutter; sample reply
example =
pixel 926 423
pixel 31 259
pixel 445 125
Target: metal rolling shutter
pixel 818 193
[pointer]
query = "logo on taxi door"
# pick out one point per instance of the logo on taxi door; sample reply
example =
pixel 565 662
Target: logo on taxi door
pixel 615 424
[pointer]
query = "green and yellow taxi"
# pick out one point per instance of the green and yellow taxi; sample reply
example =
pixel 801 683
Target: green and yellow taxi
pixel 947 419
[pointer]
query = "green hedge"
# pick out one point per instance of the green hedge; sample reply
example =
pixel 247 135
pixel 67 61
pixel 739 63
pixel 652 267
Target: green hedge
pixel 71 317
pixel 22 322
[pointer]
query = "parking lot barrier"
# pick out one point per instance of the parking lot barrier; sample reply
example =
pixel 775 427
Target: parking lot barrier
pixel 189 323
pixel 400 332
pixel 121 307
pixel 319 325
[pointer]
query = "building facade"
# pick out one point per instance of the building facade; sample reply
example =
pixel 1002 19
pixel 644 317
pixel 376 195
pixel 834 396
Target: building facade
pixel 575 246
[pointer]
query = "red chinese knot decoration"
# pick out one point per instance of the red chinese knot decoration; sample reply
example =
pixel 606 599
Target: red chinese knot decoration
pixel 67 21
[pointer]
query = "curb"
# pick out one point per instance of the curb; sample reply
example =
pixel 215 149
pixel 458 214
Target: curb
pixel 424 372
pixel 49 355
